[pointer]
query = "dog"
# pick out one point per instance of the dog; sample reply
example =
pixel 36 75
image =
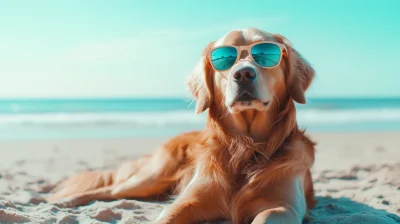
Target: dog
pixel 250 164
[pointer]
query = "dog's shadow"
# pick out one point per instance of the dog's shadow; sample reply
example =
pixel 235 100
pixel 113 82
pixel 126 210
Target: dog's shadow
pixel 346 211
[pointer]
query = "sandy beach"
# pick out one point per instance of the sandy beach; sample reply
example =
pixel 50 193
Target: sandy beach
pixel 356 176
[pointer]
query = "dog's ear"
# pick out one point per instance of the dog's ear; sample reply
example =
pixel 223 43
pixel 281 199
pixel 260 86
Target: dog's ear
pixel 298 72
pixel 200 82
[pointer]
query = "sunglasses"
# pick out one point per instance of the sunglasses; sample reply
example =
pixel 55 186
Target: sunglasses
pixel 267 54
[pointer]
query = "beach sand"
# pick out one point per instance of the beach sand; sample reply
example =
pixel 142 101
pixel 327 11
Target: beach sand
pixel 356 176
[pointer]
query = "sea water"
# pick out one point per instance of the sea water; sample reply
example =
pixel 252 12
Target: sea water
pixel 154 117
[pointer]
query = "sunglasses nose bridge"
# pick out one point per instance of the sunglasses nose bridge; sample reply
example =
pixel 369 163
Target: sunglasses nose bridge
pixel 244 54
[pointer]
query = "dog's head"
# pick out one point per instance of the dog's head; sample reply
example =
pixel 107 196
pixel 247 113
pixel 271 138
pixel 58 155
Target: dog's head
pixel 246 86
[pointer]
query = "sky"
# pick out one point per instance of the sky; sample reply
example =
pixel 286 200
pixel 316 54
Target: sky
pixel 76 48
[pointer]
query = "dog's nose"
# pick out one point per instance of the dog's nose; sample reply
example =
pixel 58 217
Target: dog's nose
pixel 244 76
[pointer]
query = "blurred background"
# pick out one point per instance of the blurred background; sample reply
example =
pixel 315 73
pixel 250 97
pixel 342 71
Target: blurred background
pixel 102 69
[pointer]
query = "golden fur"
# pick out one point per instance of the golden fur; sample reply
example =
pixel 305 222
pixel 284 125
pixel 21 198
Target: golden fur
pixel 248 167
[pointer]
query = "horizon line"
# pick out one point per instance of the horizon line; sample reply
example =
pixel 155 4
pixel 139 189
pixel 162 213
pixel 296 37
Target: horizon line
pixel 176 98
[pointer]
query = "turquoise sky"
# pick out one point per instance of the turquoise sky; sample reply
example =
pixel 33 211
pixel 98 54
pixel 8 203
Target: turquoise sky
pixel 141 48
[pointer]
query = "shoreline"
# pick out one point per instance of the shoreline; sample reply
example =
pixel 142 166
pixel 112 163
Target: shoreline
pixel 369 147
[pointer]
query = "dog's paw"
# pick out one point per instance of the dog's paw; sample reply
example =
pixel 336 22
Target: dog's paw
pixel 65 203
pixel 68 202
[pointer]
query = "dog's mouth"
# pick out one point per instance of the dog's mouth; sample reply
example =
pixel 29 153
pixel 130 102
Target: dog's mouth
pixel 248 100
pixel 246 96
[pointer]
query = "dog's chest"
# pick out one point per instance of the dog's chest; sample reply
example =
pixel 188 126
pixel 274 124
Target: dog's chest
pixel 241 176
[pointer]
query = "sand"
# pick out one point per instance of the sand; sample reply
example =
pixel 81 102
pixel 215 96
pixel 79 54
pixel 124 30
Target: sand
pixel 356 176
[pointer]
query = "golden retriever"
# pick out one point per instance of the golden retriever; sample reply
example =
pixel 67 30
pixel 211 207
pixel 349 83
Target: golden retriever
pixel 251 163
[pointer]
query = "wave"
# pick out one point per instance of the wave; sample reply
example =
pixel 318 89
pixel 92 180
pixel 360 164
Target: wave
pixel 185 117
pixel 348 116
pixel 131 118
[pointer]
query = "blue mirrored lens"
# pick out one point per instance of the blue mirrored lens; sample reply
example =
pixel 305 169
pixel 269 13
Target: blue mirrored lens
pixel 266 54
pixel 223 58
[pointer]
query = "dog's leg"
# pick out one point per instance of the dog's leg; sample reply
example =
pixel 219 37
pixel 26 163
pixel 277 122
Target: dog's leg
pixel 104 193
pixel 148 176
pixel 202 200
pixel 92 180
pixel 288 206
pixel 153 177
pixel 138 186
pixel 278 215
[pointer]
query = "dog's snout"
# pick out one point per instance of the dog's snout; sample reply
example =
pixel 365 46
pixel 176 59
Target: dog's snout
pixel 244 75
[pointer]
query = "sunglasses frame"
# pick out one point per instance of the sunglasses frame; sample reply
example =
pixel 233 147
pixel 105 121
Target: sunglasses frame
pixel 248 48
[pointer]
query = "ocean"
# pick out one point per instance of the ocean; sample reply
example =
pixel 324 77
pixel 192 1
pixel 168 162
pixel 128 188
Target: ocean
pixel 26 119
